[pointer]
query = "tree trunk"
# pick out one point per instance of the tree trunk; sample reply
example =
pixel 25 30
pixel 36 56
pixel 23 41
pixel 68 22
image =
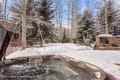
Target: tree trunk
pixel 106 17
pixel 24 25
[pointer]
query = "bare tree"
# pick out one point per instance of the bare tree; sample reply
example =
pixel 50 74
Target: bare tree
pixel 68 15
pixel 5 9
pixel 24 24
pixel 22 14
pixel 106 16
pixel 75 11
pixel 59 17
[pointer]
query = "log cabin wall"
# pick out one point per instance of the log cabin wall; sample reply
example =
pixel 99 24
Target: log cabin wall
pixel 112 44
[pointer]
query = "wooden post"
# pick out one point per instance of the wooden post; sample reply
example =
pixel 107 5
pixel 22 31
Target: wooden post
pixel 5 20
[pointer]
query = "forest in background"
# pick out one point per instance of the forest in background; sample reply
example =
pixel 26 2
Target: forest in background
pixel 37 21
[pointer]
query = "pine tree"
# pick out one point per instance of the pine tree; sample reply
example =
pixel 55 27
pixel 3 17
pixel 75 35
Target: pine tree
pixel 86 29
pixel 30 11
pixel 32 18
pixel 45 10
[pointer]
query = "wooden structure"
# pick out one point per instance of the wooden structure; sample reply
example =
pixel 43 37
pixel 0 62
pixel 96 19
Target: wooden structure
pixel 5 36
pixel 107 42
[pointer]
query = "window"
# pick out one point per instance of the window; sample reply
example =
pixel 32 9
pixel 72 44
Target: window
pixel 104 40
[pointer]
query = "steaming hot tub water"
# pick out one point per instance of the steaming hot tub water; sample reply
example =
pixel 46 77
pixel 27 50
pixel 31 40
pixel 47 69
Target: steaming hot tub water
pixel 54 69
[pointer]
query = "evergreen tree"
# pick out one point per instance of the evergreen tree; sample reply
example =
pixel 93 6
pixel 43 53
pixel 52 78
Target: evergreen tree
pixel 32 18
pixel 86 29
pixel 17 10
pixel 45 10
pixel 30 11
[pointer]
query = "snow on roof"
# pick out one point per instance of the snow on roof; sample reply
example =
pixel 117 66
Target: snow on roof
pixel 105 35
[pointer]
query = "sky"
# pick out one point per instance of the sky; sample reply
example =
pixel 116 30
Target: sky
pixel 83 5
pixel 83 2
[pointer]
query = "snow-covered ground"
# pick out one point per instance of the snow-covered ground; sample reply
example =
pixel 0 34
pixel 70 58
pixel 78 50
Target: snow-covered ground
pixel 106 60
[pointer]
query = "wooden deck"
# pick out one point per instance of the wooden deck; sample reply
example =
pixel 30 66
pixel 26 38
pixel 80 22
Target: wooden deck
pixel 107 48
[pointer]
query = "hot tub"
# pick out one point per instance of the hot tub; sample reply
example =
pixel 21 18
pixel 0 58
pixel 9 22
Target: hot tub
pixel 49 67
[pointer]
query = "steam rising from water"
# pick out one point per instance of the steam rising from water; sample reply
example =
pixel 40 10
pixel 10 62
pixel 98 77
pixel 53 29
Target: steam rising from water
pixel 47 70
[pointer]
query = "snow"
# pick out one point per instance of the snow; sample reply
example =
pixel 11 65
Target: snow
pixel 103 59
pixel 105 35
pixel 118 35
